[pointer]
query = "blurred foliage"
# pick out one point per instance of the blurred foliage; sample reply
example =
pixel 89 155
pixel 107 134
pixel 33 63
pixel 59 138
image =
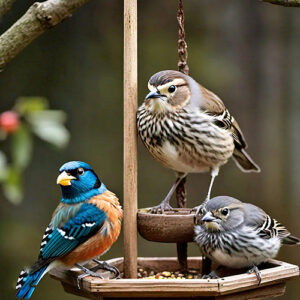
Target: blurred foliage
pixel 30 115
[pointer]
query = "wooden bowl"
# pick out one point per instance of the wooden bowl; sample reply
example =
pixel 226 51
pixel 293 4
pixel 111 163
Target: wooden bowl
pixel 170 227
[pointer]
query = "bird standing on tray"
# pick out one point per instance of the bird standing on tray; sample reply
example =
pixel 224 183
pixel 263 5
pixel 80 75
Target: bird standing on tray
pixel 239 235
pixel 84 226
pixel 188 129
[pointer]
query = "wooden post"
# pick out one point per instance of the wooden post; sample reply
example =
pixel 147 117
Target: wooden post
pixel 130 138
pixel 180 190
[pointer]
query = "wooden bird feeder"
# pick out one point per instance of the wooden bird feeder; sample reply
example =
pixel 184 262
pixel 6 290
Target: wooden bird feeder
pixel 169 227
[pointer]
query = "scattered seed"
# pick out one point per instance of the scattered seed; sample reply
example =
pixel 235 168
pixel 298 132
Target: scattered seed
pixel 166 273
pixel 147 274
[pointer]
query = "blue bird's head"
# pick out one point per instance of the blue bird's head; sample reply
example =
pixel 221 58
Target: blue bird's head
pixel 78 182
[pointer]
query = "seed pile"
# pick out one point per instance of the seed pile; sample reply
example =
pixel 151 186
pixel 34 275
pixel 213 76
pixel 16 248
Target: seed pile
pixel 150 274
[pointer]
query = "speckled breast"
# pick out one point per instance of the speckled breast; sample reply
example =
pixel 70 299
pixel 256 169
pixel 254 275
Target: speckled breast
pixel 184 141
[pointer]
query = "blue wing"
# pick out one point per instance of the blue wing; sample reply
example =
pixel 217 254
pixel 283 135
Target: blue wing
pixel 58 242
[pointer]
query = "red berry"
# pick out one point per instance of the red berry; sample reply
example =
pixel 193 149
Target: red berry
pixel 9 121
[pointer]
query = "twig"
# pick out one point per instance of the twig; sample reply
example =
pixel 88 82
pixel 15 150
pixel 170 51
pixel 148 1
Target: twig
pixel 39 18
pixel 288 3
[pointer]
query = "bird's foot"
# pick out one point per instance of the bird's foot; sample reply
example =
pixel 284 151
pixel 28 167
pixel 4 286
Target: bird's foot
pixel 162 207
pixel 199 212
pixel 211 275
pixel 257 273
pixel 105 266
pixel 86 272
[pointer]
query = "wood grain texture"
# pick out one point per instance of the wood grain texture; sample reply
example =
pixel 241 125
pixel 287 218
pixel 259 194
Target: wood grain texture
pixel 130 138
pixel 233 286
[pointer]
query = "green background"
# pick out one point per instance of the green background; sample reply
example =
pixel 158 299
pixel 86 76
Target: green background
pixel 247 52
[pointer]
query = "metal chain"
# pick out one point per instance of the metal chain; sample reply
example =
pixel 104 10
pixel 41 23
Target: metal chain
pixel 182 46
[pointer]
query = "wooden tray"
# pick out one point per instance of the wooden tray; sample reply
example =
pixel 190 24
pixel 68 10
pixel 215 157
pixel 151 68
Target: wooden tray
pixel 232 286
pixel 170 227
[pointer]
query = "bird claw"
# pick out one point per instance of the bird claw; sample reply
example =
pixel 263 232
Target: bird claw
pixel 199 210
pixel 105 266
pixel 257 273
pixel 211 275
pixel 86 273
pixel 162 207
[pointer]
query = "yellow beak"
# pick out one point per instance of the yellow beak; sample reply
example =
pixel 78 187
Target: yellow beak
pixel 64 178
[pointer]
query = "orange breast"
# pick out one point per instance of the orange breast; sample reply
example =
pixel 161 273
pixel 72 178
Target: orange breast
pixel 106 236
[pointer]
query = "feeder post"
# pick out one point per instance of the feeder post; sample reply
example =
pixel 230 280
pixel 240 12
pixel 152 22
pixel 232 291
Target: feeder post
pixel 130 139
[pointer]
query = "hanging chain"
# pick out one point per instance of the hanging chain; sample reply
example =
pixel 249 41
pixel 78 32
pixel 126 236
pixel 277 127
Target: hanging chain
pixel 182 46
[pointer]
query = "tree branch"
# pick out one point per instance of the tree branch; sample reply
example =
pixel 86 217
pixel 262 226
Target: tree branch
pixel 40 17
pixel 294 3
pixel 5 6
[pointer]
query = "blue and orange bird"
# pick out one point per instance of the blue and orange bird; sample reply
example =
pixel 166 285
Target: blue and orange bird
pixel 84 226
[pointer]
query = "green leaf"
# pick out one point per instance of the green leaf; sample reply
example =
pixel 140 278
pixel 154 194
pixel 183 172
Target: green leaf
pixel 26 105
pixel 12 186
pixel 21 147
pixel 48 125
pixel 3 166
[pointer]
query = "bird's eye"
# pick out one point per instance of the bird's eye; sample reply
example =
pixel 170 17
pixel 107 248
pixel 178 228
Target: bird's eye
pixel 80 171
pixel 225 211
pixel 172 89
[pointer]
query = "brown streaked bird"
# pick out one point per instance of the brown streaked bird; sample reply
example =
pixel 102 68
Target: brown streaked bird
pixel 188 129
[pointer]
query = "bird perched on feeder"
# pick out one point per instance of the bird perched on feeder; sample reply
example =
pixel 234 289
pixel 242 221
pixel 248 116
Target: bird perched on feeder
pixel 239 235
pixel 84 226
pixel 188 129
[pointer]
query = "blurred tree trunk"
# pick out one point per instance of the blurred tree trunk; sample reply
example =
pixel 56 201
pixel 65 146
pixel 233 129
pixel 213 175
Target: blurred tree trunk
pixel 273 104
pixel 293 121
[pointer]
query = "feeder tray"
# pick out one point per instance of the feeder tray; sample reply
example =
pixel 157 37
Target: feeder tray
pixel 171 227
pixel 234 284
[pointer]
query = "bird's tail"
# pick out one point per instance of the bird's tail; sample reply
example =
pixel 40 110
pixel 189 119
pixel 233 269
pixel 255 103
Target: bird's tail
pixel 291 240
pixel 244 161
pixel 28 281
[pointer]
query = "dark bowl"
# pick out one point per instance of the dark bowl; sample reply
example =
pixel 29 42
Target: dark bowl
pixel 170 227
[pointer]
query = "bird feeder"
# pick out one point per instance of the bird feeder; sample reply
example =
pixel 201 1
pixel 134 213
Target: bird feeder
pixel 173 227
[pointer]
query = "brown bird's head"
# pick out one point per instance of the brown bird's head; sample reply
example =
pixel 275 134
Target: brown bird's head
pixel 169 91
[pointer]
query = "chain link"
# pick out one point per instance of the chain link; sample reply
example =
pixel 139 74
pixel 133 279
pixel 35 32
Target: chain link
pixel 182 46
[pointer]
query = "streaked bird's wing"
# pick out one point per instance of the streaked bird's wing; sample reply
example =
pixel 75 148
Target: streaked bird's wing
pixel 213 105
pixel 254 216
pixel 58 242
pixel 266 226
pixel 210 102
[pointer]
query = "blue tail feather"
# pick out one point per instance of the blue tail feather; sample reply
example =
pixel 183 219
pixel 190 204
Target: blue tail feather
pixel 27 282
